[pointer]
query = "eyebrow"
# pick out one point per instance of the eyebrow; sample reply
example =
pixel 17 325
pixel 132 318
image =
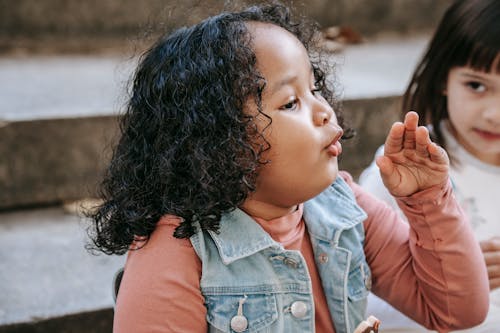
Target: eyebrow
pixel 284 82
pixel 474 76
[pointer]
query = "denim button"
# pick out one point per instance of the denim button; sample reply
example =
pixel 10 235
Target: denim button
pixel 323 258
pixel 299 309
pixel 239 323
pixel 368 283
pixel 291 263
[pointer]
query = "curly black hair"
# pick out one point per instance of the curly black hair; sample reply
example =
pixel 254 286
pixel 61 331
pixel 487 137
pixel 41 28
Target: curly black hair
pixel 186 147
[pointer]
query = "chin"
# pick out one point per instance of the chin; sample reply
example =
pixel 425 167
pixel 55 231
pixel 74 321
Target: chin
pixel 334 172
pixel 332 175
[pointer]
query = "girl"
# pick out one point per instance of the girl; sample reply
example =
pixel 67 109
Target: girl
pixel 456 90
pixel 226 190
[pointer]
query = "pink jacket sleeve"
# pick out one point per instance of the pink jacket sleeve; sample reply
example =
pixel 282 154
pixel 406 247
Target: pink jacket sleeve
pixel 431 269
pixel 160 290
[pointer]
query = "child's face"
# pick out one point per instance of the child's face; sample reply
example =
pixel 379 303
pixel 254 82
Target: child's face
pixel 303 134
pixel 474 111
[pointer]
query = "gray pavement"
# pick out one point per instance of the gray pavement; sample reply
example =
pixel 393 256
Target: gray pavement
pixel 378 69
pixel 41 87
pixel 74 86
pixel 45 271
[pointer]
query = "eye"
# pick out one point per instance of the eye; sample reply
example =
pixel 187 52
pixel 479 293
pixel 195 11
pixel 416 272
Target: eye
pixel 476 86
pixel 290 105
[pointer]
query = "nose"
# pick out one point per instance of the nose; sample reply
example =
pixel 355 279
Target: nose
pixel 492 112
pixel 322 113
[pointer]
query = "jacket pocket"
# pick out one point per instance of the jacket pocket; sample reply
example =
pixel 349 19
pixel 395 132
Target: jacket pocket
pixel 359 282
pixel 259 310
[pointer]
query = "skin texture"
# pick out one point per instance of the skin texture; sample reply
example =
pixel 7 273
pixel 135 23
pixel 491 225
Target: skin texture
pixel 474 111
pixel 411 162
pixel 491 252
pixel 303 129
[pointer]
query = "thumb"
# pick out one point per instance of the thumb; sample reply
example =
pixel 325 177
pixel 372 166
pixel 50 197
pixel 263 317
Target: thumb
pixel 387 171
pixel 385 166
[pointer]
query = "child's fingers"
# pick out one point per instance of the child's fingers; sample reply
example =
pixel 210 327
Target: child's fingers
pixel 374 323
pixel 437 154
pixel 369 325
pixel 411 122
pixel 363 327
pixel 402 135
pixel 394 141
pixel 422 141
pixel 490 245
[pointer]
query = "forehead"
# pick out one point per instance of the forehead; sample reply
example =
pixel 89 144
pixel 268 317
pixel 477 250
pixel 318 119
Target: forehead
pixel 271 36
pixel 276 49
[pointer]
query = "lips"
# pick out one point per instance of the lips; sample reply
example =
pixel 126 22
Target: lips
pixel 334 148
pixel 487 135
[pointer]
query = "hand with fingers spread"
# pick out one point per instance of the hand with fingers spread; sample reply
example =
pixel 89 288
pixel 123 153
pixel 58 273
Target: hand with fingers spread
pixel 411 161
pixel 491 253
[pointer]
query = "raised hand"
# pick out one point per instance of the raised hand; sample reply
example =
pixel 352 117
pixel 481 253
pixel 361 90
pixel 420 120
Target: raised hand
pixel 491 253
pixel 411 161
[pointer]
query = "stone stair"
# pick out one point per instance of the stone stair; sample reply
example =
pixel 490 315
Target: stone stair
pixel 58 120
pixel 47 277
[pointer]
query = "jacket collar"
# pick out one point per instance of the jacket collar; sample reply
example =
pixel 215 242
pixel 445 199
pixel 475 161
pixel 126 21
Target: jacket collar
pixel 234 227
pixel 333 211
pixel 326 215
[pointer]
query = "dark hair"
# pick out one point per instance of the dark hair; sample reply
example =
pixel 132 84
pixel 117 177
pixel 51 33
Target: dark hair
pixel 468 35
pixel 186 147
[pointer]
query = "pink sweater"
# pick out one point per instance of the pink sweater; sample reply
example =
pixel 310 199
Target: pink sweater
pixel 438 276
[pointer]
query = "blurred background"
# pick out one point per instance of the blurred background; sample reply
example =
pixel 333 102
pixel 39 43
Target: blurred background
pixel 65 66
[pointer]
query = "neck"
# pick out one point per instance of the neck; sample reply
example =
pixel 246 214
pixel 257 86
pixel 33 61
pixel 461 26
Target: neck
pixel 265 210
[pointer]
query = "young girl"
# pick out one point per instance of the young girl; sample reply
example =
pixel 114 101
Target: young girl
pixel 456 91
pixel 225 188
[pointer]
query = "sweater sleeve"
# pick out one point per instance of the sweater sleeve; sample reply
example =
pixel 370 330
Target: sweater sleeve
pixel 160 289
pixel 436 273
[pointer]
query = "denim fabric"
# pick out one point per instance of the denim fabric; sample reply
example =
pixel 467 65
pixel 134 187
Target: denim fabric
pixel 243 263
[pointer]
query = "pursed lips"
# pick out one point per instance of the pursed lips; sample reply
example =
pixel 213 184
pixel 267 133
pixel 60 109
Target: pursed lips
pixel 334 147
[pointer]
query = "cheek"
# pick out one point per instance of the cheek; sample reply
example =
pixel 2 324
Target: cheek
pixel 292 141
pixel 459 108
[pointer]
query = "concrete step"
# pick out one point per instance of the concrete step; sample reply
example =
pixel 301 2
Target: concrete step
pixel 47 277
pixel 54 87
pixel 54 26
pixel 58 115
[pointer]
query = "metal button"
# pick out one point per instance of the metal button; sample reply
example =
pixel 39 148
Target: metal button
pixel 323 258
pixel 299 309
pixel 367 278
pixel 291 263
pixel 239 323
pixel 368 283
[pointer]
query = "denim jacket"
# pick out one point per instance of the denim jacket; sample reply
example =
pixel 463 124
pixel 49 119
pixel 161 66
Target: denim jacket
pixel 252 284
